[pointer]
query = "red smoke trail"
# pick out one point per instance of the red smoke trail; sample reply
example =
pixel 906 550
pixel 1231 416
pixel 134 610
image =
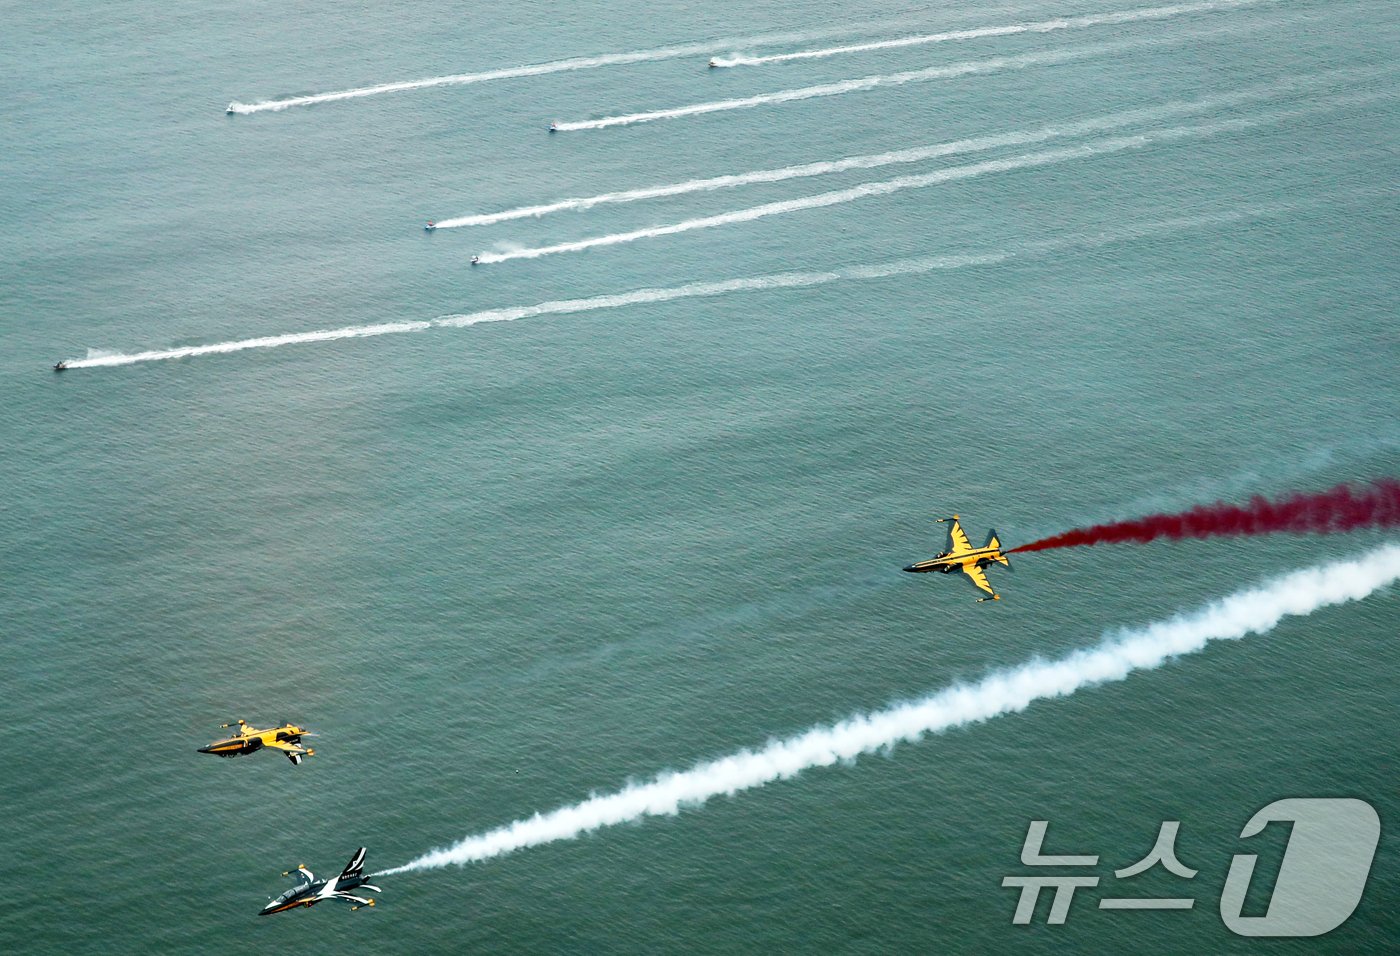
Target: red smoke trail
pixel 1343 508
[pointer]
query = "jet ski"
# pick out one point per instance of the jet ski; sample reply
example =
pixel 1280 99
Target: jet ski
pixel 714 63
pixel 476 260
pixel 61 366
pixel 230 111
pixel 554 127
pixel 430 226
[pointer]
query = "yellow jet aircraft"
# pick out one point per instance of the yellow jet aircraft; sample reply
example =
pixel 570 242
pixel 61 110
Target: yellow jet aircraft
pixel 962 556
pixel 247 740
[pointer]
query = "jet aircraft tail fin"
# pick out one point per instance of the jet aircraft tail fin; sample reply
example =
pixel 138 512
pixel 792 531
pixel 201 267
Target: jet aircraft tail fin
pixel 994 542
pixel 355 868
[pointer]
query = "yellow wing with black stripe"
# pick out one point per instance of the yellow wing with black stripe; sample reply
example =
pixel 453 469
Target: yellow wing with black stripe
pixel 979 578
pixel 958 537
pixel 294 752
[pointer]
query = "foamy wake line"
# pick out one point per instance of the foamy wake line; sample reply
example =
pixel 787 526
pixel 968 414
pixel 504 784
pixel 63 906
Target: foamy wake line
pixel 979 33
pixel 967 68
pixel 241 345
pixel 1100 147
pixel 914 154
pixel 538 69
pixel 1253 611
pixel 831 198
pixel 787 280
pixel 464 79
pixel 990 65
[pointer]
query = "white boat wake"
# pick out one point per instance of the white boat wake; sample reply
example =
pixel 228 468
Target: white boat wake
pixel 1094 148
pixel 536 69
pixel 1273 89
pixel 971 67
pixel 979 33
pixel 887 80
pixel 785 280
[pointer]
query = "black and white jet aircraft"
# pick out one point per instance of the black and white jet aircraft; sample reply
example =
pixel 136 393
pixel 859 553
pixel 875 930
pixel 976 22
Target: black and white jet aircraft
pixel 309 891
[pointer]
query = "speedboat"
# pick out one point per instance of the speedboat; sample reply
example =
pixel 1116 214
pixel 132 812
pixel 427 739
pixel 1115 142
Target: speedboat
pixel 714 63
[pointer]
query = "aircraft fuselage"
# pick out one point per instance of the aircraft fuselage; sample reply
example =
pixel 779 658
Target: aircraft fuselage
pixel 252 741
pixel 309 891
pixel 316 893
pixel 980 557
pixel 309 896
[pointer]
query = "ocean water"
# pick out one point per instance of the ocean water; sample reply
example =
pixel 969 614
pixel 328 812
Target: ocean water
pixel 501 567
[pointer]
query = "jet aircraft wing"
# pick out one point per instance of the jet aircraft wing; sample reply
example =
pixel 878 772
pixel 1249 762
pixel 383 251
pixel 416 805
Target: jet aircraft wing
pixel 979 578
pixel 959 538
pixel 285 747
pixel 294 752
pixel 302 875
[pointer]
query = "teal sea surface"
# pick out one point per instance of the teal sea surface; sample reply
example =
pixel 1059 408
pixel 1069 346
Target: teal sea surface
pixel 499 567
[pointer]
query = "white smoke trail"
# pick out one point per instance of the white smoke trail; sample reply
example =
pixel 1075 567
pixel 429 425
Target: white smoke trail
pixel 1253 611
pixel 537 69
pixel 979 33
pixel 1102 147
pixel 915 266
pixel 1273 89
